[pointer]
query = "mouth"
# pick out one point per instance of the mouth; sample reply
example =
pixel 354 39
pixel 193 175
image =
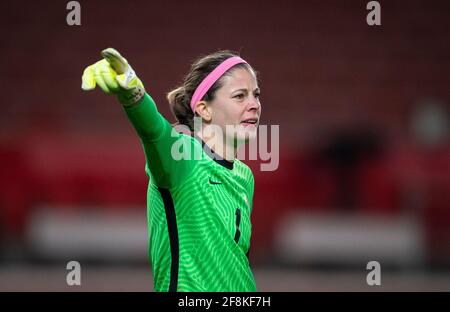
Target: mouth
pixel 250 122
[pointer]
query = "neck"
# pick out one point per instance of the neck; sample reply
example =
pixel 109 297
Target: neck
pixel 226 149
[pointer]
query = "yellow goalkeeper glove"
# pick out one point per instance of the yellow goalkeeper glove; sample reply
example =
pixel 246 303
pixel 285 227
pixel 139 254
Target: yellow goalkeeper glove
pixel 114 75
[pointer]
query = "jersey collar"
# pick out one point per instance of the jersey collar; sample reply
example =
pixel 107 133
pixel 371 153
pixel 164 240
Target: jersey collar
pixel 216 157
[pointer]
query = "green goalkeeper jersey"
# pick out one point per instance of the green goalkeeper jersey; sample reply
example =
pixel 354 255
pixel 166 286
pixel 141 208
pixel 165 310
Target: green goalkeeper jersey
pixel 198 209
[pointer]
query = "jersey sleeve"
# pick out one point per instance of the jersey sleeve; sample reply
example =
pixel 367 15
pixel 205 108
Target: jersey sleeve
pixel 158 139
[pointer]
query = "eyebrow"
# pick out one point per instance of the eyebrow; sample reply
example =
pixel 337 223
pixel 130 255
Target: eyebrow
pixel 245 90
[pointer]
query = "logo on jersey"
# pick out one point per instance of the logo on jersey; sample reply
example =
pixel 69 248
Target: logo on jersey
pixel 214 182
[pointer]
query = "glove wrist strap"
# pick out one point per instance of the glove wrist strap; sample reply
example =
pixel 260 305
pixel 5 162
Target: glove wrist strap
pixel 131 97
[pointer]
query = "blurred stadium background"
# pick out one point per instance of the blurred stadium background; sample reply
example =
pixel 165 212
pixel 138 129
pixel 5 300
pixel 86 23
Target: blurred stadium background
pixel 364 170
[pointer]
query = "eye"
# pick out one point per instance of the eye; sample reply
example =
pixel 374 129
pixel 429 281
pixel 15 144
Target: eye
pixel 257 95
pixel 239 96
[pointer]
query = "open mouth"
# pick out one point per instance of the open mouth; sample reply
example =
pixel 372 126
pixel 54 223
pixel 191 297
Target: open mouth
pixel 250 122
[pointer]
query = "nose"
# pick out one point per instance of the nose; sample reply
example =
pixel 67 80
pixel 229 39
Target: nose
pixel 253 103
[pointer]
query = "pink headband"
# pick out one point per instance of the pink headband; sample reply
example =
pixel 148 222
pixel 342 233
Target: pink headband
pixel 212 77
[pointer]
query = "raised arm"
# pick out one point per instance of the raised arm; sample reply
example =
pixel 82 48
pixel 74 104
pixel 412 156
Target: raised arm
pixel 114 75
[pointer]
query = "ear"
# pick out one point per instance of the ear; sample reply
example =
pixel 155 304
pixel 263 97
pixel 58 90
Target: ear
pixel 204 111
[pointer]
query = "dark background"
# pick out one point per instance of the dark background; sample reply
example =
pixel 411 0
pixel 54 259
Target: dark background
pixel 364 152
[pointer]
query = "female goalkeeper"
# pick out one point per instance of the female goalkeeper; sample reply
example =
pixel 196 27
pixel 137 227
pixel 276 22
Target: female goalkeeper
pixel 198 206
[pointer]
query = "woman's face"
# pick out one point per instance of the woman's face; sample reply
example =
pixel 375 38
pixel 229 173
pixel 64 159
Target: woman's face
pixel 237 104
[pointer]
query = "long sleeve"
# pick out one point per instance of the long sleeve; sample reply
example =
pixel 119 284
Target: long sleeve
pixel 158 138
